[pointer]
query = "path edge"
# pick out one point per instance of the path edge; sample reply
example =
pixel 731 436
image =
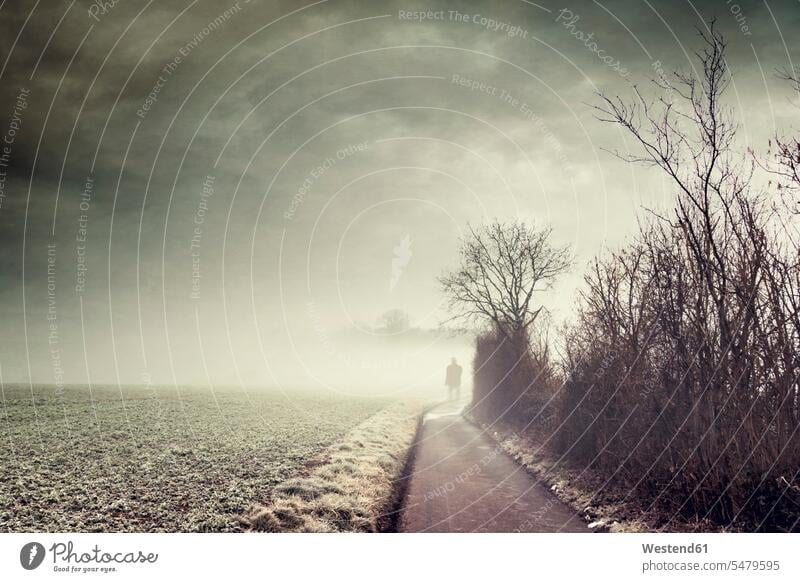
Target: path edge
pixel 392 520
pixel 604 519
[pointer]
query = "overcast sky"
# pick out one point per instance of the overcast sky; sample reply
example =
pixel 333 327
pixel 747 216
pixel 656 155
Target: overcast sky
pixel 265 179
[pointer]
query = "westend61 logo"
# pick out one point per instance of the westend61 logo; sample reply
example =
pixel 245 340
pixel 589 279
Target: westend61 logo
pixel 66 559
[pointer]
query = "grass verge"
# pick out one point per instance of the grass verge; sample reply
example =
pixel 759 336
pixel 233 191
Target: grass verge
pixel 352 487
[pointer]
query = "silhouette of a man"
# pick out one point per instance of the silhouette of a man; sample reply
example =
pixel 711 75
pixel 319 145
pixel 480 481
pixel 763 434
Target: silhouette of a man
pixel 453 380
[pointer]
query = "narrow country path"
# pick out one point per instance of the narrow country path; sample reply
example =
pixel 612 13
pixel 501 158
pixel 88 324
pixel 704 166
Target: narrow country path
pixel 462 481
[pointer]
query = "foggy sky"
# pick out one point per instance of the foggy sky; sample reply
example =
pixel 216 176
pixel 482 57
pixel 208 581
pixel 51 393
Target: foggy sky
pixel 315 165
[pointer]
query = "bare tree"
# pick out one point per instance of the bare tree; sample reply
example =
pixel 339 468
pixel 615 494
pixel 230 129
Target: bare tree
pixel 394 321
pixel 502 267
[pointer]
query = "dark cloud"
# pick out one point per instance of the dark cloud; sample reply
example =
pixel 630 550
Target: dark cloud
pixel 270 101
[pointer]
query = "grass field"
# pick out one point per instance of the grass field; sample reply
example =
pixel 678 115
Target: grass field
pixel 144 459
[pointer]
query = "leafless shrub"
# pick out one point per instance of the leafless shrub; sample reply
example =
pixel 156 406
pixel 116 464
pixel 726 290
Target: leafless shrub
pixel 784 155
pixel 683 366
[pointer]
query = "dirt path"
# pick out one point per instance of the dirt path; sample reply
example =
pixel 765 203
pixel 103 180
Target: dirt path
pixel 462 481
